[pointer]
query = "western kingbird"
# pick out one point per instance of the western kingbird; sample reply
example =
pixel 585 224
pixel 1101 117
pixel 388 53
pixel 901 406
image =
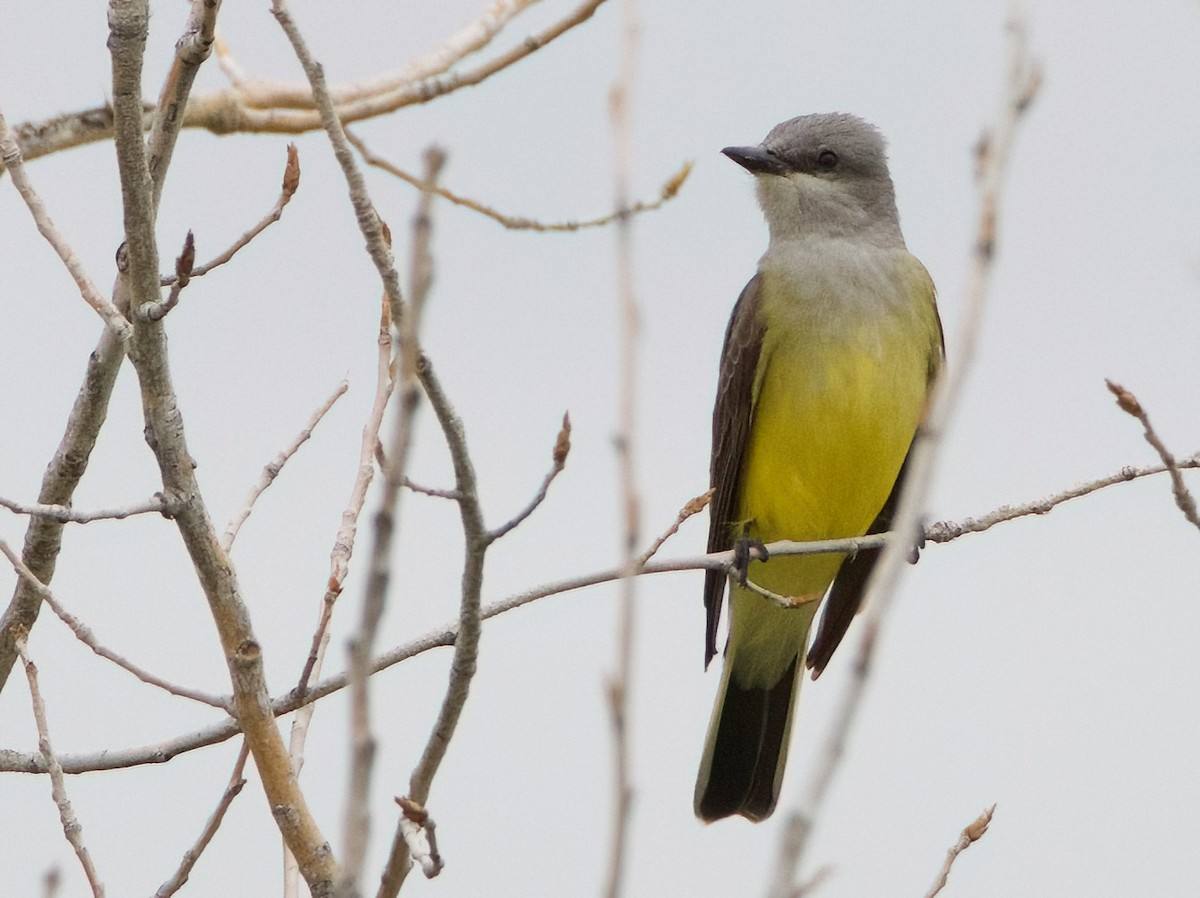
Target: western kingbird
pixel 828 361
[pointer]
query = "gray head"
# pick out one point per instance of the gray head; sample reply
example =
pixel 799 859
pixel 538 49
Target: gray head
pixel 824 174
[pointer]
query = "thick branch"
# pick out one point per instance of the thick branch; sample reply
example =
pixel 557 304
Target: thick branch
pixel 164 425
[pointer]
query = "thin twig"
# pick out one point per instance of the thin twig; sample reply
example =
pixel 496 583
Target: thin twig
pixel 562 447
pixel 1129 404
pixel 161 752
pixel 969 836
pixel 452 495
pixel 181 874
pixel 224 112
pixel 1021 84
pixel 343 543
pixel 64 514
pixel 184 264
pixel 369 223
pixel 339 565
pixel 357 818
pixel 620 683
pixel 777 599
pixel 690 508
pixel 945 531
pixel 272 469
pixel 469 39
pixel 66 814
pixel 10 155
pixel 407 321
pixel 670 189
pixel 84 634
pixel 291 182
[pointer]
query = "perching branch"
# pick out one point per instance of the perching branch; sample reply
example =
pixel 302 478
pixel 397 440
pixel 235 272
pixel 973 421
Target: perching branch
pixel 941 532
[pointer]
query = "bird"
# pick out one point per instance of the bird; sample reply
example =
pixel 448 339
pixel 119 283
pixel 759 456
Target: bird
pixel 827 367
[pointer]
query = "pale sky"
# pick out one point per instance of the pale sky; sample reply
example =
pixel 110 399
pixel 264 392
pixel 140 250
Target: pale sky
pixel 1047 666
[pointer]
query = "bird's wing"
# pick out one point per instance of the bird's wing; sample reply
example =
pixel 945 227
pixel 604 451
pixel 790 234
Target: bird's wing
pixel 732 415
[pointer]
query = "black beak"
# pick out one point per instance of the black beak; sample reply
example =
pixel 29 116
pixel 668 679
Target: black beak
pixel 758 160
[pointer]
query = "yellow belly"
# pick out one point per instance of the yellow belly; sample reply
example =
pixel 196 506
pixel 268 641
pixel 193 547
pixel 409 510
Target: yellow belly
pixel 833 421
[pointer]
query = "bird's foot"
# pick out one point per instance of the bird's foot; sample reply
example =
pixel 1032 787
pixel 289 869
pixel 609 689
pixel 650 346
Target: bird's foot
pixel 746 550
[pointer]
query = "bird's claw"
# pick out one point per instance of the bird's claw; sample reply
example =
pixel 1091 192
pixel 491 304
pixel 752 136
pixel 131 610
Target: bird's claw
pixel 746 550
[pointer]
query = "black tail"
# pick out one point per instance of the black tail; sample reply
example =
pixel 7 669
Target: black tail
pixel 746 750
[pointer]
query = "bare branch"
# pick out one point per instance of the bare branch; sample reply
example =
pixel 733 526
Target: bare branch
pixel 184 262
pixel 471 38
pixel 64 514
pixel 10 154
pixel 620 682
pixel 128 23
pixel 1129 404
pixel 66 814
pixel 84 634
pixel 777 599
pixel 357 820
pixel 369 223
pixel 272 469
pixel 452 495
pixel 236 782
pixel 224 112
pixel 969 836
pixel 291 182
pixel 466 644
pixel 43 537
pixel 941 532
pixel 191 50
pixel 670 189
pixel 343 544
pixel 945 531
pixel 691 507
pixel 562 447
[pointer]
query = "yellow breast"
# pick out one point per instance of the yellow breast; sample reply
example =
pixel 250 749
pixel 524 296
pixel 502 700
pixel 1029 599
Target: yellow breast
pixel 839 394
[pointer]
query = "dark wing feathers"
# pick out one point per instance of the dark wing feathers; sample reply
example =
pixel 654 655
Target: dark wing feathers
pixel 731 429
pixel 848 588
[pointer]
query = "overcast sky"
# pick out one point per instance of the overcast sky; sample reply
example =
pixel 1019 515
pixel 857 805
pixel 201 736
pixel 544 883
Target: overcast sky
pixel 1047 666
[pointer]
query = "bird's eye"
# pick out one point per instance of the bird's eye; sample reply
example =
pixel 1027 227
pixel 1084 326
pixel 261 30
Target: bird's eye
pixel 827 160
